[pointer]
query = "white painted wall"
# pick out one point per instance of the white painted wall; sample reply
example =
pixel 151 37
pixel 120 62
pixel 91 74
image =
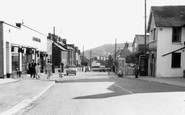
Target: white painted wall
pixel 164 45
pixel 22 37
pixel 49 47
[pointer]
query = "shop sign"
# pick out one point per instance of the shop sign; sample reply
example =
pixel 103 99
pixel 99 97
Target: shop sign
pixel 36 39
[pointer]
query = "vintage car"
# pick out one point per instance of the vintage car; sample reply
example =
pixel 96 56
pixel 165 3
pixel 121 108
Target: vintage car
pixel 70 69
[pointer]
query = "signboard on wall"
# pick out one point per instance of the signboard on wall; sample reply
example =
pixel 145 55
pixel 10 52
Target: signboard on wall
pixel 36 39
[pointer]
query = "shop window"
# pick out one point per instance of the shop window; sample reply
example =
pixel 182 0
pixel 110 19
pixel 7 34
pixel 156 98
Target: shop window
pixel 176 35
pixel 176 60
pixel 15 64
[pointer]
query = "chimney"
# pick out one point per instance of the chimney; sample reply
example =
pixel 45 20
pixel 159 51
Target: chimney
pixel 126 45
pixel 64 41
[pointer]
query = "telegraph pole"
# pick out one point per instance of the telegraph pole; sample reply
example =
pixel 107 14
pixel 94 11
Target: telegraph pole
pixel 83 60
pixel 145 53
pixel 145 27
pixel 115 56
pixel 90 59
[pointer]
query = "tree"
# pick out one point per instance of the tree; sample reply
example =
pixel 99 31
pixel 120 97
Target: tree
pixel 110 61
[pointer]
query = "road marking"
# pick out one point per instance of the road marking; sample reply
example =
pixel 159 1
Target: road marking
pixel 123 89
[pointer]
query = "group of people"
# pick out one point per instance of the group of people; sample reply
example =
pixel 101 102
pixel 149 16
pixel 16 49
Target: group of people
pixel 34 69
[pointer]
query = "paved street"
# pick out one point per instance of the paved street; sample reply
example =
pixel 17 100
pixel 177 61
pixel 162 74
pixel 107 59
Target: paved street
pixel 102 94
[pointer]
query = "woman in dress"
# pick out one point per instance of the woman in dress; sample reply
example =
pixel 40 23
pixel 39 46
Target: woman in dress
pixel 37 68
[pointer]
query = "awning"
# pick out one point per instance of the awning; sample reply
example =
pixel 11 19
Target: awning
pixel 59 46
pixel 173 51
pixel 70 48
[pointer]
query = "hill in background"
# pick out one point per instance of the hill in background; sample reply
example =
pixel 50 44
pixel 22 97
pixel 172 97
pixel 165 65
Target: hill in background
pixel 103 50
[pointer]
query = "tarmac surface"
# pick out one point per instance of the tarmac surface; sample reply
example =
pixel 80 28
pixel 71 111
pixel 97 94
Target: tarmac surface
pixel 18 93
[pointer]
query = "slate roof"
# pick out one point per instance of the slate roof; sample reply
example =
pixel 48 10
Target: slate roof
pixel 168 16
pixel 124 52
pixel 140 39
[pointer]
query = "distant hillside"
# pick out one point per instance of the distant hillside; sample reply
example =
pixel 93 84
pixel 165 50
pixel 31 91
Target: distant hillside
pixel 103 50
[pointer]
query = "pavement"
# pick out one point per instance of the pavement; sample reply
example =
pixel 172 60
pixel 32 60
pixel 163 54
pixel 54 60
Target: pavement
pixel 19 92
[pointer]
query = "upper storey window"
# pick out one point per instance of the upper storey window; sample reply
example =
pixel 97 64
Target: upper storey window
pixel 176 35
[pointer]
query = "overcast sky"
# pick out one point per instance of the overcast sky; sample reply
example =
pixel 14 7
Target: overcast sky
pixel 88 23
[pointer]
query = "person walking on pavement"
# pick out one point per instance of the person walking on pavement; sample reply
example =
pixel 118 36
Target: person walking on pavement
pixel 37 68
pixel 32 69
pixel 49 69
pixel 61 70
pixel 136 70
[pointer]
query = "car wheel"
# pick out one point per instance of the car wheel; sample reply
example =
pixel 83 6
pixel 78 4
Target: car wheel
pixel 67 73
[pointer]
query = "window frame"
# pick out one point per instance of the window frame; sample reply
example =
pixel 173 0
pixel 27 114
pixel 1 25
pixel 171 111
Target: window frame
pixel 174 59
pixel 154 34
pixel 176 34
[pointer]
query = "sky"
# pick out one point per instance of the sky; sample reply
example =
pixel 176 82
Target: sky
pixel 88 23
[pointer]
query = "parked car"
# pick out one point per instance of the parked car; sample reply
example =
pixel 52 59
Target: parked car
pixel 95 68
pixel 102 69
pixel 70 69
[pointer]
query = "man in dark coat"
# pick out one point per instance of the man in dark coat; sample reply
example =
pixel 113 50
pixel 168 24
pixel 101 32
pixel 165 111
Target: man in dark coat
pixel 137 70
pixel 32 69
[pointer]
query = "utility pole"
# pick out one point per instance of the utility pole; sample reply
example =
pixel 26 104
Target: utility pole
pixel 145 53
pixel 115 56
pixel 83 59
pixel 90 59
pixel 145 27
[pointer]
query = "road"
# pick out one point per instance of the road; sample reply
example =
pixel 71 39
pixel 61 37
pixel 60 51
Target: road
pixel 96 93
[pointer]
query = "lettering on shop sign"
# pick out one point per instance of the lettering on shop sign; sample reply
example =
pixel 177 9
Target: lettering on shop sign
pixel 36 39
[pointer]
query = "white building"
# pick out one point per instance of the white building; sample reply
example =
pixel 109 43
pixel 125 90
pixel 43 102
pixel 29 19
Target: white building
pixel 20 44
pixel 167 34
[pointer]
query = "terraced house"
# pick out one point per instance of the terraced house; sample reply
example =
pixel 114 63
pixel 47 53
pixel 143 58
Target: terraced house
pixel 166 28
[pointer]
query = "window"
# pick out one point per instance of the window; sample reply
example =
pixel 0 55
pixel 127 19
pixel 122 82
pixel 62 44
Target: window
pixel 176 35
pixel 176 60
pixel 154 34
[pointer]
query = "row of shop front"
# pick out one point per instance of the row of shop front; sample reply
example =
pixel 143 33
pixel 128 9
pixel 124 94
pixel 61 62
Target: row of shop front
pixel 21 57
pixel 19 47
pixel 23 44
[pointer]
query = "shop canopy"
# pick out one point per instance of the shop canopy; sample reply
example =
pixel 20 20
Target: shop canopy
pixel 173 51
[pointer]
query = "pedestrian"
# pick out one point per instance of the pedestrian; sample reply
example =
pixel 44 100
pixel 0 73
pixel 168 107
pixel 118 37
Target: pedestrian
pixel 49 69
pixel 32 69
pixel 109 70
pixel 137 70
pixel 86 69
pixel 37 68
pixel 61 70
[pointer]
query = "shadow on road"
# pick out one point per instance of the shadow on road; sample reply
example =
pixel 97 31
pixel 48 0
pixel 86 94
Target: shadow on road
pixel 114 92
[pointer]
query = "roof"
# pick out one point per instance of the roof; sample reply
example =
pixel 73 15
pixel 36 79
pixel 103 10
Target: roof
pixel 134 54
pixel 140 39
pixel 59 46
pixel 124 52
pixel 168 16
